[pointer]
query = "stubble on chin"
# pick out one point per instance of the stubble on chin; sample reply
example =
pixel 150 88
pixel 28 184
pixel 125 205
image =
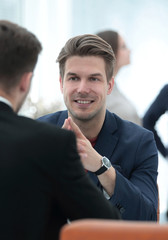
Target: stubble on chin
pixel 83 117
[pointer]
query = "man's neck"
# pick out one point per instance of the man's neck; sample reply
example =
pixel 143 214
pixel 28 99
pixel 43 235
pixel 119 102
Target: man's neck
pixel 9 98
pixel 90 128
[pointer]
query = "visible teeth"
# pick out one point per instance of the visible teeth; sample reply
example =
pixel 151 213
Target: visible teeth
pixel 83 102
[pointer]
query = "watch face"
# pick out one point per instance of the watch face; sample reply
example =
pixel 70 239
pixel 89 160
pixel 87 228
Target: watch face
pixel 106 162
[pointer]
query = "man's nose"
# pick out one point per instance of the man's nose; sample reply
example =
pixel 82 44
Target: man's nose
pixel 83 86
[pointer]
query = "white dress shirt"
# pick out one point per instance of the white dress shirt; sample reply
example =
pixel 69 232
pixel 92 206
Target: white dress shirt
pixel 4 100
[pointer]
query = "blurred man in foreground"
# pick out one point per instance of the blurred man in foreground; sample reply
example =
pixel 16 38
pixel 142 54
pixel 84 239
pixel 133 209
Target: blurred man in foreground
pixel 42 180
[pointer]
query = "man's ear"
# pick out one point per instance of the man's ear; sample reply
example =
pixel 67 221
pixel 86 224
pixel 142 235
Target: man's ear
pixel 25 81
pixel 110 85
pixel 61 84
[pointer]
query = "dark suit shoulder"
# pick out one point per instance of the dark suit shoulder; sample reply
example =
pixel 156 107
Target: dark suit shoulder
pixel 56 118
pixel 165 88
pixel 123 126
pixel 50 117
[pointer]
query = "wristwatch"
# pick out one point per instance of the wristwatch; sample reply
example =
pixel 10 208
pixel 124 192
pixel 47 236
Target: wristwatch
pixel 106 164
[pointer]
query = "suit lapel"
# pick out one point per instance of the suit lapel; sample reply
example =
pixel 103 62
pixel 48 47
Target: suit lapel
pixel 107 139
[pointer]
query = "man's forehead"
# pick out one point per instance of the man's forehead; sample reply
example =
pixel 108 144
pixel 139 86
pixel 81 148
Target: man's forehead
pixel 85 62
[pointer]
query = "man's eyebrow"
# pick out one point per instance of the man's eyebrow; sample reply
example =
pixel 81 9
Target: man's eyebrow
pixel 91 75
pixel 71 73
pixel 96 74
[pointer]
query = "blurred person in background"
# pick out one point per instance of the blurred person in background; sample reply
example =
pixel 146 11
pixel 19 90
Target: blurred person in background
pixel 116 101
pixel 152 116
pixel 158 108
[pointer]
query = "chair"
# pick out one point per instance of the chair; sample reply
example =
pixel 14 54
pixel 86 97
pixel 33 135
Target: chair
pixel 94 229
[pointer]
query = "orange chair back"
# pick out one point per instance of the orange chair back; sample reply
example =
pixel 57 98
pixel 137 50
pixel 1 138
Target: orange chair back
pixel 113 230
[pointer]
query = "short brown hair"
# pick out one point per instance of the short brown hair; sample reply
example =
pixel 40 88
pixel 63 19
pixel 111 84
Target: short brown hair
pixel 87 45
pixel 19 51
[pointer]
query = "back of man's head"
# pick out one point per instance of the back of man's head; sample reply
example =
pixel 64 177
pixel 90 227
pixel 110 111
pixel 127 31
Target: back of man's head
pixel 19 51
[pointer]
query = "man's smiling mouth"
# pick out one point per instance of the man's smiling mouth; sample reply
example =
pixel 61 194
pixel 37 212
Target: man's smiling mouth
pixel 83 101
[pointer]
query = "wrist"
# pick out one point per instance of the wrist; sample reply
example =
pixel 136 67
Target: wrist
pixel 105 165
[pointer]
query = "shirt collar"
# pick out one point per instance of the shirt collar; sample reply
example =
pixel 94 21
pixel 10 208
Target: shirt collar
pixel 4 100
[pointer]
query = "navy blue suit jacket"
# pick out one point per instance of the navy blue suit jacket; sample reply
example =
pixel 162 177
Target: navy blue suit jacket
pixel 133 153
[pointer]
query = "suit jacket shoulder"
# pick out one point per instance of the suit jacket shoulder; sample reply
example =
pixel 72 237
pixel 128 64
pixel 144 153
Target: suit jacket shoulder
pixel 56 118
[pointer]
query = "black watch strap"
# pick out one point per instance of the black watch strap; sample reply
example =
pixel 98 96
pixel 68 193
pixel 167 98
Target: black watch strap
pixel 101 170
pixel 106 164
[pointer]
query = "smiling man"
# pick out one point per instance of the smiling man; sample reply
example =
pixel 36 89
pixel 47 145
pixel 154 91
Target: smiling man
pixel 85 88
pixel 120 157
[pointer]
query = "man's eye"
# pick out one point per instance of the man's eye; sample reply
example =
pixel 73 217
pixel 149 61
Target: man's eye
pixel 73 78
pixel 94 79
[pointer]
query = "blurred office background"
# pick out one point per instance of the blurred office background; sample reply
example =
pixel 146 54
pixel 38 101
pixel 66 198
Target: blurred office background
pixel 144 26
